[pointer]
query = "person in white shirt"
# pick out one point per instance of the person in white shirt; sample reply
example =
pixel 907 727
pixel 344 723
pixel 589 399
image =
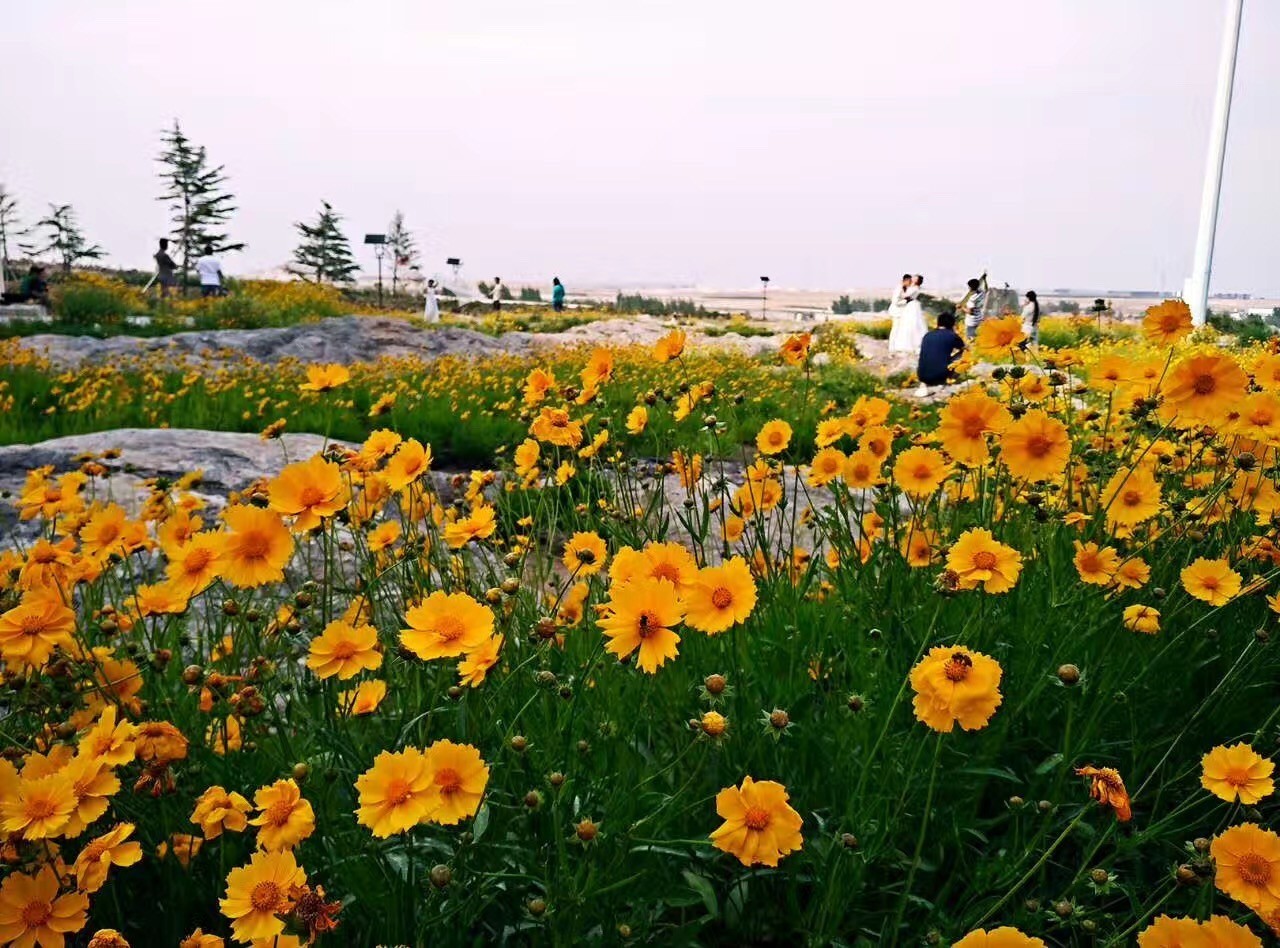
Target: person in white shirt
pixel 496 295
pixel 210 270
pixel 1031 320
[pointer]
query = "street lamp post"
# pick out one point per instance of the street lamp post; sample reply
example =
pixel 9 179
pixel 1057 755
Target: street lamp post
pixel 1197 289
pixel 379 242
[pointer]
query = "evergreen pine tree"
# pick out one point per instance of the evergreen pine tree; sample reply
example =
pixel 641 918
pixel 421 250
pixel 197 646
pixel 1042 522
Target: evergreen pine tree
pixel 197 196
pixel 63 238
pixel 404 250
pixel 10 229
pixel 324 253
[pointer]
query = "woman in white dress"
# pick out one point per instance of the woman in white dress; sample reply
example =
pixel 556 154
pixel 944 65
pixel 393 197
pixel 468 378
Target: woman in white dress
pixel 897 310
pixel 913 323
pixel 432 313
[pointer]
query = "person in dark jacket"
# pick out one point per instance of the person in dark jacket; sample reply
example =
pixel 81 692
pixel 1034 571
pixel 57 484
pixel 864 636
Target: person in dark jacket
pixel 34 288
pixel 166 269
pixel 939 348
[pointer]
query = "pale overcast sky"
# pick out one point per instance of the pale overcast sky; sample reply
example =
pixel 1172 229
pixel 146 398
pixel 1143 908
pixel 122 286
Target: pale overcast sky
pixel 828 143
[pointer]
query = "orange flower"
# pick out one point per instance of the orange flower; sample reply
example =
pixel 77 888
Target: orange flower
pixel 536 386
pixel 217 810
pixel 1213 581
pixel 795 349
pixel 1107 787
pixel 309 491
pixel 323 378
pixel 1167 322
pixel 1247 866
pixel 955 685
pixel 1096 565
pixel 585 554
pixel 977 558
pixel 554 426
pixel 1000 336
pixel 256 547
pixel 32 913
pixel 760 827
pixel 344 650
pixel 1204 388
pixel 773 437
pixel 1004 937
pixel 285 817
pixel 669 346
pixel 1140 618
pixel 363 699
pixel 480 524
pixel 1132 496
pixel 446 625
pixel 411 461
pixel 475 665
pixel 920 471
pixel 1036 447
pixel 30 631
pixel 1238 773
pixel 965 422
pixel 108 850
pixel 643 616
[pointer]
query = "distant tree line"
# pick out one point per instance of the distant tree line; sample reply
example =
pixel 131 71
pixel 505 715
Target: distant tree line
pixel 847 305
pixel 636 303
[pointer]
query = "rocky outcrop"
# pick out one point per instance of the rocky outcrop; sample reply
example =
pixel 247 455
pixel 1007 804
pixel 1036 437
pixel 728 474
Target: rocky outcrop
pixel 349 339
pixel 230 460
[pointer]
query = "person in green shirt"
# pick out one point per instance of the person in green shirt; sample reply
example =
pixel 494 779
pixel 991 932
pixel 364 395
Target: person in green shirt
pixel 34 288
pixel 557 295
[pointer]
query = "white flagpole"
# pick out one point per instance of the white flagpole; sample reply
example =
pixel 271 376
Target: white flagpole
pixel 1198 285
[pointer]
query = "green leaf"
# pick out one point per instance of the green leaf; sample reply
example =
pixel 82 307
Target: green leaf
pixel 705 890
pixel 1048 764
pixel 481 823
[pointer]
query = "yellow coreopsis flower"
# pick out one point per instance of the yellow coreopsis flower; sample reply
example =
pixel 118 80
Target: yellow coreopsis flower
pixel 1237 773
pixel 760 826
pixel 324 378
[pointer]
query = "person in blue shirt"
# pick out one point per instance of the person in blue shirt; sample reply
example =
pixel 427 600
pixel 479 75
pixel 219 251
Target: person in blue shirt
pixel 938 350
pixel 557 295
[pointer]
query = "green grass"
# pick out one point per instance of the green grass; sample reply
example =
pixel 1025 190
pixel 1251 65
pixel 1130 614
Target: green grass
pixel 466 411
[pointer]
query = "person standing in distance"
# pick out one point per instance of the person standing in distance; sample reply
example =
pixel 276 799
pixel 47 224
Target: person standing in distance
pixel 210 270
pixel 496 294
pixel 432 313
pixel 165 268
pixel 973 306
pixel 557 295
pixel 1031 320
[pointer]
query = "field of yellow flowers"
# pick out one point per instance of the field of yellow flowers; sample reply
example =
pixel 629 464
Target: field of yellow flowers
pixel 698 655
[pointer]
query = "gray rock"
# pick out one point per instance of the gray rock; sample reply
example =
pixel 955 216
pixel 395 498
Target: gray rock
pixel 350 339
pixel 345 339
pixel 24 312
pixel 230 460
